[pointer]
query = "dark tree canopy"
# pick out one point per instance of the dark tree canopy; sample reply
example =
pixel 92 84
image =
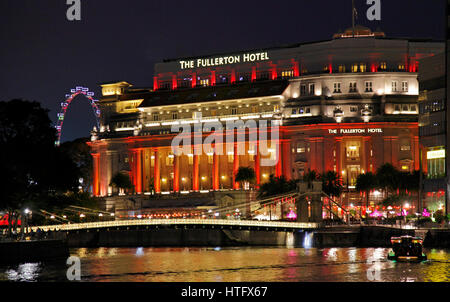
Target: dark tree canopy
pixel 245 174
pixel 121 181
pixel 31 165
pixel 276 186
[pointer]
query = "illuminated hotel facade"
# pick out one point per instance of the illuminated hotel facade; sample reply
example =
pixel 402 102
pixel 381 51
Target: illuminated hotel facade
pixel 348 105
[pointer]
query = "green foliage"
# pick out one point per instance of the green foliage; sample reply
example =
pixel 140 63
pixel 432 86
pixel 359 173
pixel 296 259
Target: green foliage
pixel 331 184
pixel 366 182
pixel 276 186
pixel 121 181
pixel 80 153
pixel 245 174
pixel 439 216
pixel 32 167
pixel 311 176
pixel 423 220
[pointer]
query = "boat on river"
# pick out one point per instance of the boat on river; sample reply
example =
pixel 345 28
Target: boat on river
pixel 407 248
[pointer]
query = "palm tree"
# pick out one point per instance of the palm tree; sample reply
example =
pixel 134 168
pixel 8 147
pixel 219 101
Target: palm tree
pixel 366 183
pixel 276 186
pixel 245 176
pixel 331 184
pixel 389 178
pixel 311 176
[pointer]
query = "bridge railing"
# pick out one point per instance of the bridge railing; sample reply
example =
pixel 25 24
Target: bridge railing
pixel 154 222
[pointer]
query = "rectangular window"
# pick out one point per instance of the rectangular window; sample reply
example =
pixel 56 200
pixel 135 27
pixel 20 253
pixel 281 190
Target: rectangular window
pixel 337 87
pixel 405 148
pixel 302 89
pixel 155 117
pixel 383 66
pixel 204 82
pixel 230 157
pixel 353 87
pixel 341 68
pixel 312 89
pixel 191 159
pixel 353 108
pixel 287 74
pixel 362 67
pixel 355 68
pixel 394 86
pixel 405 86
pixel 369 87
pixel 174 116
pixel 234 111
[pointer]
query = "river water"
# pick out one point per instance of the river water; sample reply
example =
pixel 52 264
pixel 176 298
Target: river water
pixel 237 265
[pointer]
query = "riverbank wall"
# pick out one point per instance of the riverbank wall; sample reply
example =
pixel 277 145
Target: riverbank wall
pixel 364 236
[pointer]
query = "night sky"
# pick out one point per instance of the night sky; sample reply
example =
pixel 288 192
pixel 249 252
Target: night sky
pixel 43 55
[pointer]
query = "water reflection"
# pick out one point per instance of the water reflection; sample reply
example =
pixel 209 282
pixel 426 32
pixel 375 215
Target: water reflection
pixel 24 272
pixel 235 265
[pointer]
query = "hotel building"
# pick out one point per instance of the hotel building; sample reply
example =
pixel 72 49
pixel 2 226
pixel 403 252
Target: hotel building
pixel 349 104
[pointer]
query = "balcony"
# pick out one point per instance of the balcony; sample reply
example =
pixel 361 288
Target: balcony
pixel 211 119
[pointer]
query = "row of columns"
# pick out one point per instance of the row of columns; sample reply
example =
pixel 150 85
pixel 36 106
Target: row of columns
pixel 283 167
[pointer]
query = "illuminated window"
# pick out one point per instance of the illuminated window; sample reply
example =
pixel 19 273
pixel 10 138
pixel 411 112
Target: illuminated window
pixel 362 67
pixel 169 160
pixel 230 157
pixel 300 148
pixel 276 108
pixel 341 68
pixel 204 82
pixel 213 112
pixel 436 162
pixel 287 74
pixel 210 158
pixel 353 151
pixel 405 148
pixel 369 87
pixel 401 67
pixel 383 66
pixel 355 68
pixel 394 86
pixel 191 159
pixel 405 86
pixel 254 109
pixel 337 87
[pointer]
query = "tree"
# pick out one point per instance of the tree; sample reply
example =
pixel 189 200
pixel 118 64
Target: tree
pixel 245 176
pixel 331 184
pixel 388 178
pixel 276 186
pixel 80 153
pixel 121 181
pixel 366 183
pixel 32 167
pixel 311 176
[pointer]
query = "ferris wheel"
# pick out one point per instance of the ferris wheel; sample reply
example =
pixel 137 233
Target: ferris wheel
pixel 65 105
